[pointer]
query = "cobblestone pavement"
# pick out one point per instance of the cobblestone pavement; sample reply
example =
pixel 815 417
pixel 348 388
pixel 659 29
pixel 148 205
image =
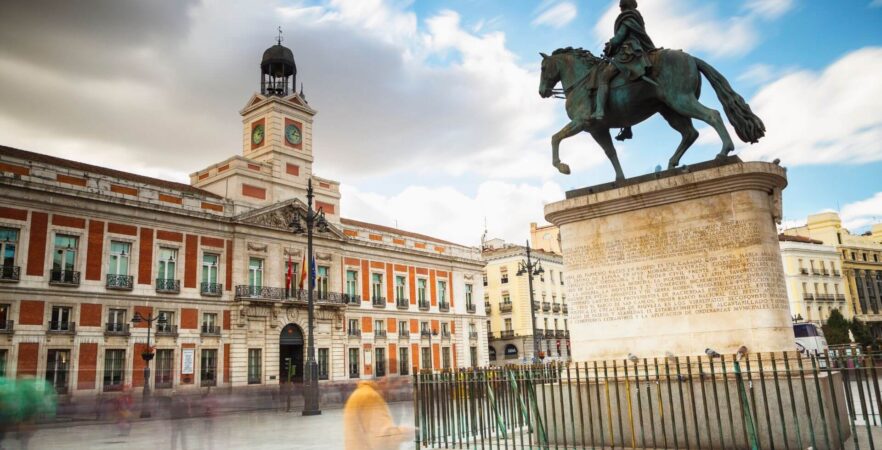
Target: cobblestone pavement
pixel 251 430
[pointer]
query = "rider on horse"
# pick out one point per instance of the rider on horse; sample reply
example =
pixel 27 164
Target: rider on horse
pixel 627 53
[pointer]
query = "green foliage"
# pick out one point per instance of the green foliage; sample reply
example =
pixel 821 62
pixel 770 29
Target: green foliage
pixel 836 329
pixel 862 333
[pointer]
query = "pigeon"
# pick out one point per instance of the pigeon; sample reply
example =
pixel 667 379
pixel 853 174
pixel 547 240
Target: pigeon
pixel 633 358
pixel 711 353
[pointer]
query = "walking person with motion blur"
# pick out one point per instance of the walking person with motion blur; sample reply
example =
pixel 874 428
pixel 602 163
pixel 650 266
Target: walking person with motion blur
pixel 180 412
pixel 367 422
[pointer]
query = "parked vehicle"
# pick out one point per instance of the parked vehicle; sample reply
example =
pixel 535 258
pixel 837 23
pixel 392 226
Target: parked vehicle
pixel 810 339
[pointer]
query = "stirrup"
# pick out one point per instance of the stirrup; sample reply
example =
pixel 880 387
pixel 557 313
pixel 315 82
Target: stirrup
pixel 624 134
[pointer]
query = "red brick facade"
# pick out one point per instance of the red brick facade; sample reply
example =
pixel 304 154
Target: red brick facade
pixel 28 357
pixel 145 263
pixel 88 364
pixel 95 250
pixel 37 243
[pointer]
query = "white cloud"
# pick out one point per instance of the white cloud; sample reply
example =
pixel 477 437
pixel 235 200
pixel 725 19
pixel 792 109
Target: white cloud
pixel 770 9
pixel 862 213
pixel 757 74
pixel 695 27
pixel 876 4
pixel 447 213
pixel 831 116
pixel 557 16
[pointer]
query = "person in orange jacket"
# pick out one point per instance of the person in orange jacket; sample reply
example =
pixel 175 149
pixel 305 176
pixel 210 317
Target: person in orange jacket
pixel 367 422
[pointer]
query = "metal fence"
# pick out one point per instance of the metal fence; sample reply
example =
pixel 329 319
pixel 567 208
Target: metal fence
pixel 782 400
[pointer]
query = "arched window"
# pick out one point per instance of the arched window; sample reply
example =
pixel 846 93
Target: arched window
pixel 511 352
pixel 492 354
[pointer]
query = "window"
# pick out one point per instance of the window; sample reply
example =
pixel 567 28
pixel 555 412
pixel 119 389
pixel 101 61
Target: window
pixel 473 356
pixel 485 279
pixel 445 357
pixel 445 329
pixel 57 368
pixel 561 279
pixel 442 291
pixel 4 318
pixel 3 357
pixel 209 323
pixel 555 324
pixel 164 368
pixel 379 327
pixel 400 287
pixel 255 272
pixel 167 325
pixel 468 294
pixel 209 268
pixel 116 320
pixel 376 286
pixel 323 363
pixel 426 357
pixel 166 263
pixel 255 362
pixel 351 283
pixel 354 329
pixel 8 245
pixel 321 282
pixel 114 366
pixel 64 259
pixel 551 275
pixel 403 363
pixel 60 320
pixel 503 275
pixel 292 281
pixel 353 363
pixel 508 324
pixel 421 291
pixel 489 329
pixel 208 368
pixel 424 327
pixel 380 361
pixel 119 258
pixel 506 299
pixel 402 327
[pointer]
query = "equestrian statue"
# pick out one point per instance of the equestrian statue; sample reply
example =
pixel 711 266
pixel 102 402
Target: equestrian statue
pixel 634 80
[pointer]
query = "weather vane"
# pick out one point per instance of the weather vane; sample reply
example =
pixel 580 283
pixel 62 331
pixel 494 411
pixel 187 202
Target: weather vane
pixel 280 35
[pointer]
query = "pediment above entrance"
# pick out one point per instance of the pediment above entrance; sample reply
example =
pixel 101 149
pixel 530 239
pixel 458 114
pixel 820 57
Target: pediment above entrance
pixel 278 217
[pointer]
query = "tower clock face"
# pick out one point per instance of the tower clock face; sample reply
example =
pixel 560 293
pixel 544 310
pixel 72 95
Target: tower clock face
pixel 293 135
pixel 257 134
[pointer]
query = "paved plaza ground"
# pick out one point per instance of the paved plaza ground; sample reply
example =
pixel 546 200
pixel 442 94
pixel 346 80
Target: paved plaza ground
pixel 246 430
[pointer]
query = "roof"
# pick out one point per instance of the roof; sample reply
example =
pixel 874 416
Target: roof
pixel 76 165
pixel 385 229
pixel 803 239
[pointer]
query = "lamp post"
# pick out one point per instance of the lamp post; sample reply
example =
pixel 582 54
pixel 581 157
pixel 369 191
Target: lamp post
pixel 147 355
pixel 314 220
pixel 530 269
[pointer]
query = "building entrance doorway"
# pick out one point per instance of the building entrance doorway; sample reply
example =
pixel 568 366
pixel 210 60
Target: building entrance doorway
pixel 291 354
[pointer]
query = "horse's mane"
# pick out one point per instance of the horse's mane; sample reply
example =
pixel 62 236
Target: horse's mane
pixel 578 52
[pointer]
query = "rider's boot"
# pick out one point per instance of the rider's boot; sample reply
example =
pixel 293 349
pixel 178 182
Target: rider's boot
pixel 624 134
pixel 600 102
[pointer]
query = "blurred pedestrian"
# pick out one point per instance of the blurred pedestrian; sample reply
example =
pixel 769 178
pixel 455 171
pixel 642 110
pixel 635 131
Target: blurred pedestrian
pixel 180 412
pixel 122 409
pixel 209 411
pixel 367 422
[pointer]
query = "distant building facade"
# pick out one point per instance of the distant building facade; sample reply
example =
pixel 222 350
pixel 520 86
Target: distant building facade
pixel 86 248
pixel 861 263
pixel 813 274
pixel 546 237
pixel 507 303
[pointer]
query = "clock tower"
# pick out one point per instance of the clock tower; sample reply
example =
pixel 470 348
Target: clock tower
pixel 276 159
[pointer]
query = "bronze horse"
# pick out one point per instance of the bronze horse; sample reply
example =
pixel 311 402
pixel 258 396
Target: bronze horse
pixel 673 90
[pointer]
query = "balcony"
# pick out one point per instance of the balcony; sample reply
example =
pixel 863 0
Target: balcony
pixel 816 272
pixel 565 309
pixel 62 328
pixel 379 334
pixel 352 299
pixel 64 277
pixel 840 297
pixel 559 333
pixel 471 308
pixel 555 307
pixel 402 303
pixel 445 334
pixel 167 330
pixel 825 272
pixel 210 330
pixel 404 333
pixel 10 274
pixel 7 327
pixel 425 334
pixel 473 335
pixel 505 307
pixel 546 306
pixel 116 329
pixel 504 279
pixel 424 306
pixel 566 333
pixel 549 333
pixel 245 291
pixel 354 332
pixel 444 306
pixel 119 282
pixel 803 271
pixel 211 289
pixel 487 308
pixel 808 297
pixel 378 302
pixel 168 286
pixel 506 334
pixel 535 306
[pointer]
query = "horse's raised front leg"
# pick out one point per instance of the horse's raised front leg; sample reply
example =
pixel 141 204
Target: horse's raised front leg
pixel 603 138
pixel 570 129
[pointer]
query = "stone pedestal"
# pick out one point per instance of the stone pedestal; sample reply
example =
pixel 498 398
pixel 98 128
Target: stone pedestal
pixel 678 262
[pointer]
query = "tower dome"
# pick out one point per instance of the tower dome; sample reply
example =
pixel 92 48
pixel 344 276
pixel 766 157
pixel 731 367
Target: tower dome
pixel 278 72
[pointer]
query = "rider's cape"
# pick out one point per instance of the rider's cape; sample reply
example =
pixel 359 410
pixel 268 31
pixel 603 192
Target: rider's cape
pixel 630 55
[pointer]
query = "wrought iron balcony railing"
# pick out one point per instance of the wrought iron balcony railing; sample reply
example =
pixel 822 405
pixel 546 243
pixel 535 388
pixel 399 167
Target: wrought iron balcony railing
pixel 808 297
pixel 555 307
pixel 549 333
pixel 535 306
pixel 64 277
pixel 245 291
pixel 504 279
pixel 168 286
pixel 402 303
pixel 352 299
pixel 564 308
pixel 211 289
pixel 210 330
pixel 546 306
pixel 403 333
pixel 505 307
pixel 473 335
pixel 119 282
pixel 506 334
pixel 116 329
pixel 425 334
pixel 444 306
pixel 10 274
pixel 319 297
pixel 445 334
pixel 470 308
pixel 559 333
pixel 7 327
pixel 424 306
pixel 488 308
pixel 167 330
pixel 378 302
pixel 354 332
pixel 62 327
pixel 380 334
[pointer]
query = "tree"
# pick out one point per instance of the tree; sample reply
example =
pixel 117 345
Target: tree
pixel 836 328
pixel 862 333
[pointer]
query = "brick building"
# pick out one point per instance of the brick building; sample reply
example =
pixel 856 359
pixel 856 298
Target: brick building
pixel 85 248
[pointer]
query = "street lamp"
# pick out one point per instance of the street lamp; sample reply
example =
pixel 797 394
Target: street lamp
pixel 147 355
pixel 530 269
pixel 314 220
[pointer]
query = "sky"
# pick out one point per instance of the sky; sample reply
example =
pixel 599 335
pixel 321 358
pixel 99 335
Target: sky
pixel 429 113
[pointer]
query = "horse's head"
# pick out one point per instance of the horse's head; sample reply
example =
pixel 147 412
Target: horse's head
pixel 550 75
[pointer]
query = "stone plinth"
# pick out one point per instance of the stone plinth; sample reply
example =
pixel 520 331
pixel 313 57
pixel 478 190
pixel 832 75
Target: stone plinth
pixel 677 262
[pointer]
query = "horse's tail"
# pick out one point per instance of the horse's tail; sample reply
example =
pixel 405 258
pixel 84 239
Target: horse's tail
pixel 749 127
